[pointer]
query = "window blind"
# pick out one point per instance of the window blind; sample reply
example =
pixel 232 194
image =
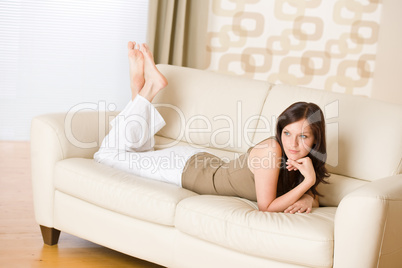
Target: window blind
pixel 57 54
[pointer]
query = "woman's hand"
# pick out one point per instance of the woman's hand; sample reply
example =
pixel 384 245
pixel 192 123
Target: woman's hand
pixel 304 204
pixel 305 166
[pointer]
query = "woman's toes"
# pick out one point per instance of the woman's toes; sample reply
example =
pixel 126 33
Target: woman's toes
pixel 131 45
pixel 138 54
pixel 147 53
pixel 144 48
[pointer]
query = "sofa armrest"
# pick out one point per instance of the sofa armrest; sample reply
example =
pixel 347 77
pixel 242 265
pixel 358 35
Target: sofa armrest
pixel 368 226
pixel 55 137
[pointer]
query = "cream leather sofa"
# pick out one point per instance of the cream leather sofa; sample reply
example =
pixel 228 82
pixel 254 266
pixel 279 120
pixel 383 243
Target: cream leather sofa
pixel 359 224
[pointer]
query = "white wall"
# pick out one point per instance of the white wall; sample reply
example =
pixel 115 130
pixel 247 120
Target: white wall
pixel 388 71
pixel 57 54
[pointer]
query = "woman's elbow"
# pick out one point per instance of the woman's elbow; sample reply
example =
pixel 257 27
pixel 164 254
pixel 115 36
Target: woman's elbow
pixel 267 208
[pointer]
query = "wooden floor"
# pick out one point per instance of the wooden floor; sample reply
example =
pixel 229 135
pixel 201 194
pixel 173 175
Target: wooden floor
pixel 21 243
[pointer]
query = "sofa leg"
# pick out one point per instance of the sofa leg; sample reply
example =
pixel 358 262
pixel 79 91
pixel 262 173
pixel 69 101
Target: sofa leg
pixel 50 235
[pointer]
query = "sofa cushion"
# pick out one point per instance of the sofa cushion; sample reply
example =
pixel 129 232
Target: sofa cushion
pixel 234 223
pixel 119 191
pixel 338 187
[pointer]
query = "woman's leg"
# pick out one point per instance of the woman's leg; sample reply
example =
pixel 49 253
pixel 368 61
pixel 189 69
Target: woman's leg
pixel 134 128
pixel 129 145
pixel 136 66
pixel 145 78
pixel 154 80
pixel 164 165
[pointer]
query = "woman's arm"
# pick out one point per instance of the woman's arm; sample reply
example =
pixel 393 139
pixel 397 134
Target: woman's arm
pixel 283 202
pixel 316 203
pixel 265 163
pixel 304 204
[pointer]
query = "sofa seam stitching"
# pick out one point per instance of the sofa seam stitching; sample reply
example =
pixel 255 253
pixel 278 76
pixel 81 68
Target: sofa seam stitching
pixel 262 108
pixel 56 133
pixel 383 235
pixel 374 197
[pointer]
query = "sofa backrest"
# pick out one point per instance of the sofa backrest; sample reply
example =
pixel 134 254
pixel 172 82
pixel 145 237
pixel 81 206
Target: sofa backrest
pixel 209 109
pixel 364 136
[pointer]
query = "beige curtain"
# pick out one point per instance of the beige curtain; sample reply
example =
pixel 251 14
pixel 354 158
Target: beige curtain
pixel 177 32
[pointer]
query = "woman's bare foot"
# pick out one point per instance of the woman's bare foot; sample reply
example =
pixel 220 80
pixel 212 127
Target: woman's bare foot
pixel 154 80
pixel 136 62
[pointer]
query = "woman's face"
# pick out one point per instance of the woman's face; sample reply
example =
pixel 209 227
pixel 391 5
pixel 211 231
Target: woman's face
pixel 297 139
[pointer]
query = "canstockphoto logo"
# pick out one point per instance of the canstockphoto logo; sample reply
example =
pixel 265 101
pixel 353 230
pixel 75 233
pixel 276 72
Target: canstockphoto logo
pixel 232 131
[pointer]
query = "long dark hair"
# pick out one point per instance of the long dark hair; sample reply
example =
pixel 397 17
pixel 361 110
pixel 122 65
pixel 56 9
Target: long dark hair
pixel 318 153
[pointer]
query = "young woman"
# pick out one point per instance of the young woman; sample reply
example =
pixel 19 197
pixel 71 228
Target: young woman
pixel 281 173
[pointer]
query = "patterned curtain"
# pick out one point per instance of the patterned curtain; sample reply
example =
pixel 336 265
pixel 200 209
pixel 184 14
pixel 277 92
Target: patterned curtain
pixel 329 44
